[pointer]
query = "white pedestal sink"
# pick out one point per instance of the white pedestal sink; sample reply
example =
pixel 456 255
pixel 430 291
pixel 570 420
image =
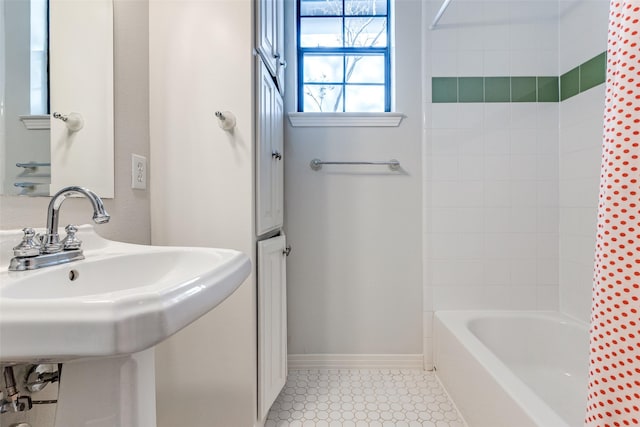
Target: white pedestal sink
pixel 101 316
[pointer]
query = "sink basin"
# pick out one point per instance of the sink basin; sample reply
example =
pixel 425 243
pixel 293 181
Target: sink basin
pixel 121 299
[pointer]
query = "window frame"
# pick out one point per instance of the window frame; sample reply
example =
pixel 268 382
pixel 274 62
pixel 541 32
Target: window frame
pixel 344 51
pixel 39 102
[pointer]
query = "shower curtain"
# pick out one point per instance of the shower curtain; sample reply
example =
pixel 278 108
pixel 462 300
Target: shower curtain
pixel 614 360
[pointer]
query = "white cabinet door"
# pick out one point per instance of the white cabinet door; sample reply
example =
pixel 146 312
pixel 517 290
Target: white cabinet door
pixel 272 322
pixel 277 155
pixel 270 37
pixel 270 157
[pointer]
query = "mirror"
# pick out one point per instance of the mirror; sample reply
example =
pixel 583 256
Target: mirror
pixel 80 85
pixel 22 141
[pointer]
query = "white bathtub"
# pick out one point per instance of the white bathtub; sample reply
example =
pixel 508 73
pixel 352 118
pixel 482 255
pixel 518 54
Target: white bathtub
pixel 513 369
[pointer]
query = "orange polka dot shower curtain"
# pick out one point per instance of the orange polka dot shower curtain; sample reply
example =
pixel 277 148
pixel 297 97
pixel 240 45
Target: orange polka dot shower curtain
pixel 614 361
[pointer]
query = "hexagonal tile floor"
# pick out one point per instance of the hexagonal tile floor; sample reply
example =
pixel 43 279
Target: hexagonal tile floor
pixel 363 398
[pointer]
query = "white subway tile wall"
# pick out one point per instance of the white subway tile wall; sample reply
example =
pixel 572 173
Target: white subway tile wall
pixel 510 189
pixel 581 127
pixel 493 207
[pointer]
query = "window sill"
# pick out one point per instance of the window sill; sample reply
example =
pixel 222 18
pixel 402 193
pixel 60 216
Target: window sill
pixel 345 119
pixel 36 122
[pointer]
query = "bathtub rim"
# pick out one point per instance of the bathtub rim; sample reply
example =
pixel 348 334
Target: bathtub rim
pixel 456 323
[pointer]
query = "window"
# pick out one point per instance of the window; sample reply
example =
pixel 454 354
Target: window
pixel 343 56
pixel 39 76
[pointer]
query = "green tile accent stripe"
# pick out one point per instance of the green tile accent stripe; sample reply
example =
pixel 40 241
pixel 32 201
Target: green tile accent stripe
pixel 548 89
pixel 521 89
pixel 444 89
pixel 524 89
pixel 570 84
pixel 494 89
pixel 497 89
pixel 593 72
pixel 470 89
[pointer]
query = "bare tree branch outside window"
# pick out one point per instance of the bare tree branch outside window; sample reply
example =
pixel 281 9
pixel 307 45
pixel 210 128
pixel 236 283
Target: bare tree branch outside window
pixel 358 33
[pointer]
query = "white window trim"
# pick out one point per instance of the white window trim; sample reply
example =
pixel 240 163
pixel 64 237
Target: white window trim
pixel 339 119
pixel 36 121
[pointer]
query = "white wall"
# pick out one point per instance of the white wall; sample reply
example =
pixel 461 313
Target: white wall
pixel 581 128
pixel 354 276
pixel 3 79
pixel 201 61
pixel 84 85
pixel 491 169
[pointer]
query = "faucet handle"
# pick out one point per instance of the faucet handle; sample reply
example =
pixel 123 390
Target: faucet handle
pixel 71 241
pixel 30 245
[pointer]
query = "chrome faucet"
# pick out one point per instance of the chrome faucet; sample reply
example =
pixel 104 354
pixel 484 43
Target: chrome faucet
pixel 51 241
pixel 35 252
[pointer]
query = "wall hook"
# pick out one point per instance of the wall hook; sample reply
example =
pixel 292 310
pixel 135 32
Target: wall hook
pixel 74 121
pixel 227 120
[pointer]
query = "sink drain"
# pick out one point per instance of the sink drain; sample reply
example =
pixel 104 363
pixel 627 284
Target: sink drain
pixel 73 275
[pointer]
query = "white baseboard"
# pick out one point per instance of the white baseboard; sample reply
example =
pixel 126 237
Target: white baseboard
pixel 361 361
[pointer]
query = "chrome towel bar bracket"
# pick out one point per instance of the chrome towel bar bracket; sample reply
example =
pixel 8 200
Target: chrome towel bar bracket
pixel 316 164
